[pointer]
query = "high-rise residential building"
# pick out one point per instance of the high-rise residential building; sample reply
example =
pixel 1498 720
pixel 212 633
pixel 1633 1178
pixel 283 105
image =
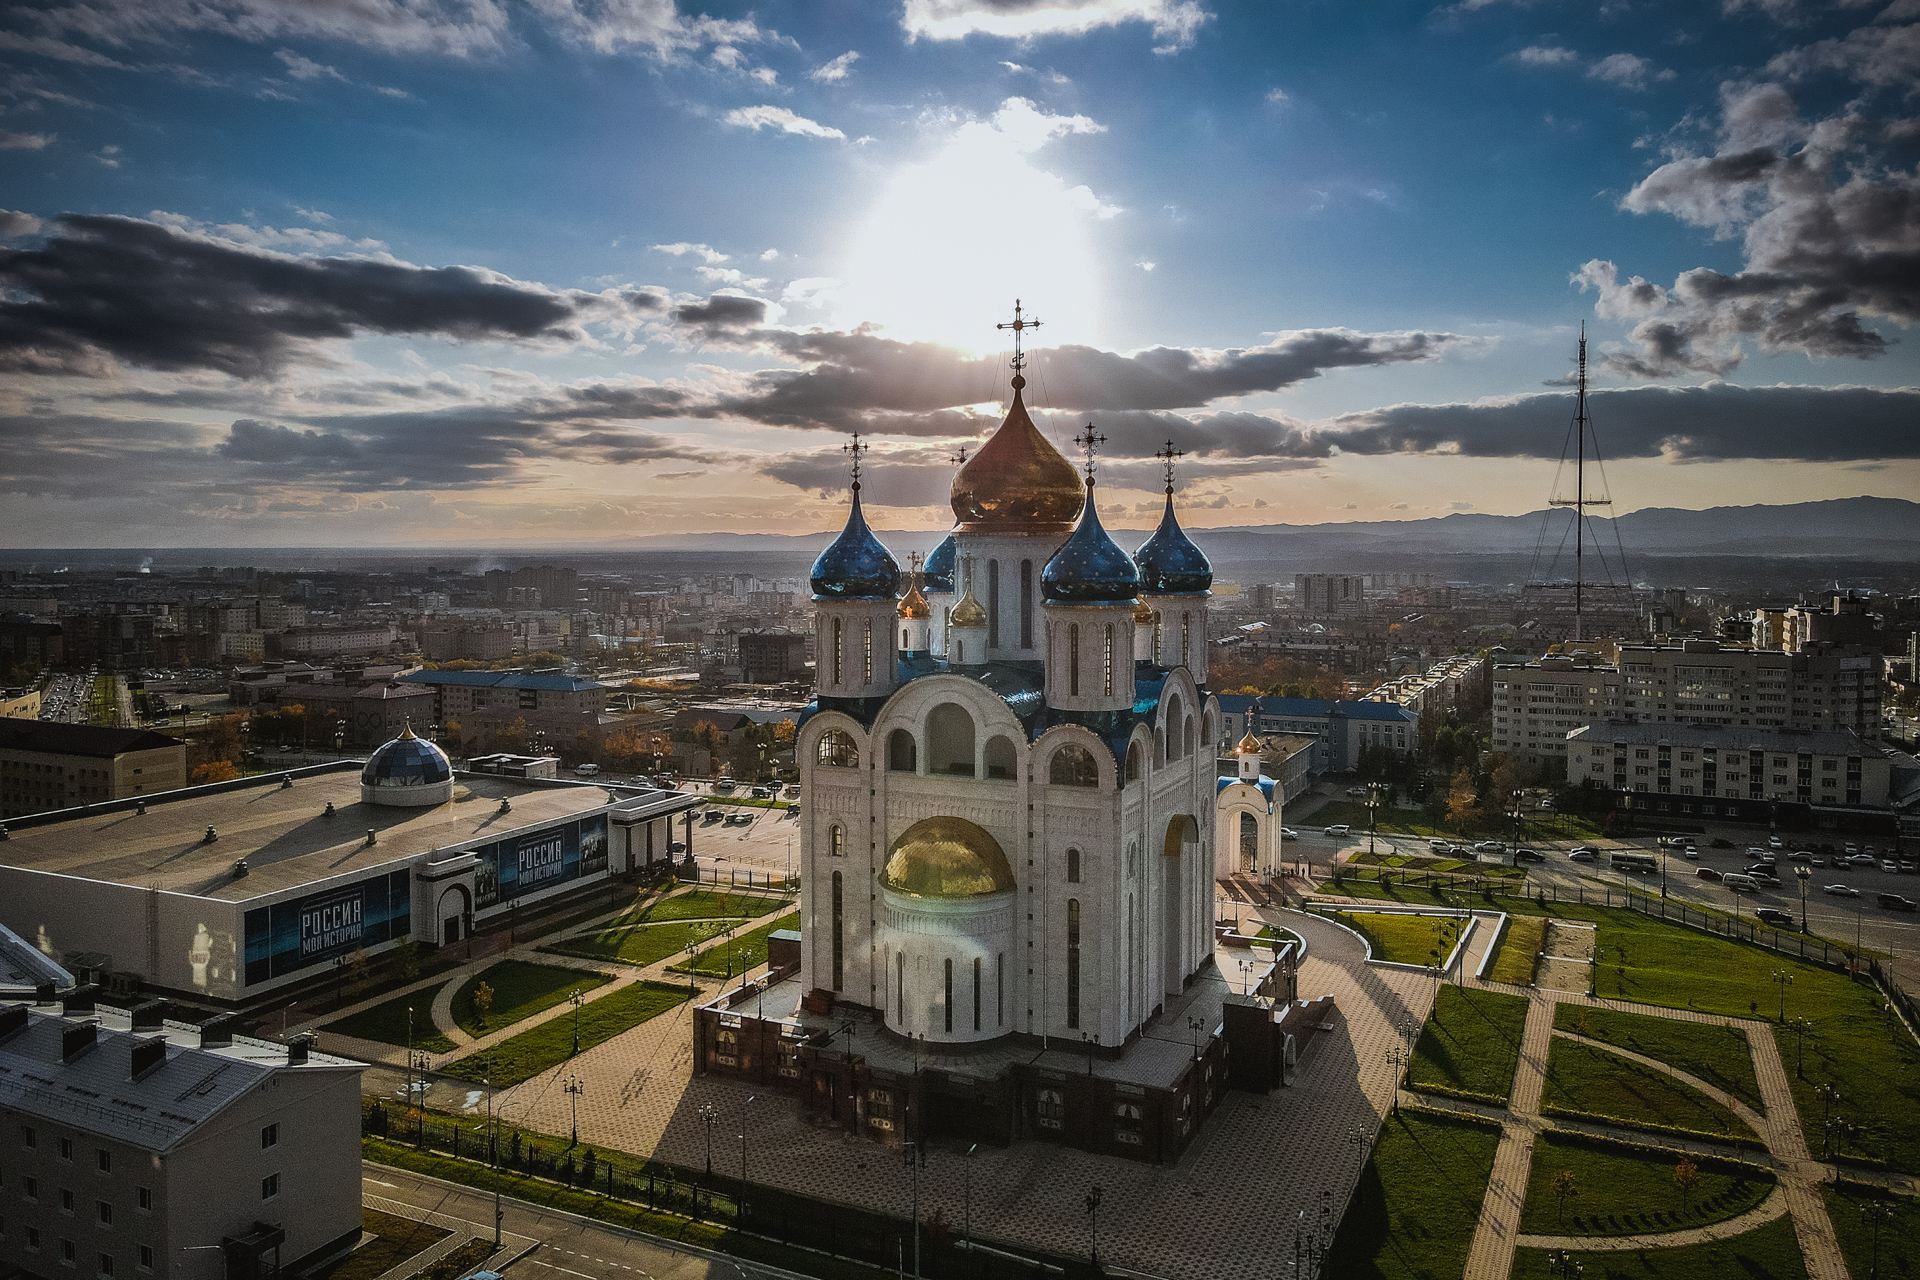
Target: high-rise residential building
pixel 1328 595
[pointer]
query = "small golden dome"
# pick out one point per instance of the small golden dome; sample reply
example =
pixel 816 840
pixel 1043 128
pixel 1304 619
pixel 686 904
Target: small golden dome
pixel 1142 615
pixel 1018 482
pixel 1248 745
pixel 946 858
pixel 914 604
pixel 969 612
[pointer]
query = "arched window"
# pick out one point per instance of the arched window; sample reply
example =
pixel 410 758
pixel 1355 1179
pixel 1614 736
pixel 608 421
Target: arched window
pixel 950 740
pixel 836 747
pixel 903 753
pixel 1186 639
pixel 1187 744
pixel 837 841
pixel 1134 762
pixel 866 654
pixel 1073 659
pixel 900 985
pixel 1073 866
pixel 976 993
pixel 1159 749
pixel 1172 722
pixel 836 651
pixel 1249 837
pixel 993 609
pixel 839 953
pixel 1026 604
pixel 1073 963
pixel 1108 662
pixel 1073 766
pixel 904 638
pixel 1001 761
pixel 1156 637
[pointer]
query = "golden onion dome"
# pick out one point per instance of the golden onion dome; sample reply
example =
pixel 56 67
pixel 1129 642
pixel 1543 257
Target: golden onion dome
pixel 1018 482
pixel 1248 745
pixel 969 612
pixel 913 604
pixel 1142 614
pixel 946 858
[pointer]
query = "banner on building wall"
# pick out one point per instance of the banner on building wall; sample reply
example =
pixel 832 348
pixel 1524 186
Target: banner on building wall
pixel 534 861
pixel 299 933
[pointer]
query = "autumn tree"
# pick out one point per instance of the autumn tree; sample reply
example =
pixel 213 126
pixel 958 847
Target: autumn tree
pixel 1565 1186
pixel 481 1001
pixel 1686 1176
pixel 214 771
pixel 1460 799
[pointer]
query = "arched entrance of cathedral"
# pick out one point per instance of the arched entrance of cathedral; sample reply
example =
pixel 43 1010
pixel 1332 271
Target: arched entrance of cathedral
pixel 1176 900
pixel 454 913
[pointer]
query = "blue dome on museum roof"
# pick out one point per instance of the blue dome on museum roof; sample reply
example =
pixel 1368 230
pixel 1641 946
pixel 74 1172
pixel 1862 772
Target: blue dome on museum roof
pixel 1089 568
pixel 1169 563
pixel 856 566
pixel 937 573
pixel 407 761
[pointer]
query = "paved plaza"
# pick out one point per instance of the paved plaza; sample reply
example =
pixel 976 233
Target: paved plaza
pixel 1256 1164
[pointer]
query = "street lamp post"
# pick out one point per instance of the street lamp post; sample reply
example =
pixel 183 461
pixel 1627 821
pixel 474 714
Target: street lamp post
pixel 1093 1210
pixel 1800 1028
pixel 574 1087
pixel 1373 812
pixel 576 1000
pixel 1193 1034
pixel 709 1113
pixel 743 1149
pixel 966 1211
pixel 1517 814
pixel 1783 979
pixel 1805 876
pixel 1397 1058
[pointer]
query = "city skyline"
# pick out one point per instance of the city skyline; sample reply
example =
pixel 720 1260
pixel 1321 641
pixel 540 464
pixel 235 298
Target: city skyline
pixel 485 273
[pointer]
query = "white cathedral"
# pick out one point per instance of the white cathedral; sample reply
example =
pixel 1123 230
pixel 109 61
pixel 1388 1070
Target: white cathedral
pixel 1009 774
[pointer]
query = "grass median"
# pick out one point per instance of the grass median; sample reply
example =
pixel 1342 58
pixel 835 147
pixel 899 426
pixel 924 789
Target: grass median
pixel 703 904
pixel 1718 1055
pixel 1470 1045
pixel 1592 1083
pixel 395 1239
pixel 744 953
pixel 1519 946
pixel 1618 1189
pixel 639 944
pixel 1875 1227
pixel 539 1048
pixel 520 990
pixel 387 1022
pixel 1402 939
pixel 1418 1202
pixel 1770 1252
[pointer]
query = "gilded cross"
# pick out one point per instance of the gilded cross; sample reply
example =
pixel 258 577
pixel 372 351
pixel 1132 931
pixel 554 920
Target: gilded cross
pixel 1019 326
pixel 1167 455
pixel 1089 441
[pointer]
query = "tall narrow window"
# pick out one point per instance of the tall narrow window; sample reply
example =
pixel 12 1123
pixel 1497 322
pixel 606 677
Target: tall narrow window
pixel 1156 637
pixel 1073 963
pixel 993 604
pixel 836 651
pixel 1186 639
pixel 947 1000
pixel 1026 604
pixel 1073 659
pixel 900 985
pixel 976 993
pixel 1000 989
pixel 1073 866
pixel 903 638
pixel 1108 665
pixel 837 842
pixel 867 654
pixel 839 950
pixel 1130 1011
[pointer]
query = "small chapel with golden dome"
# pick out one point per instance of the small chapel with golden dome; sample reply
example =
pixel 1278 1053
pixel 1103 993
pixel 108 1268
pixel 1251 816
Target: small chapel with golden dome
pixel 1008 772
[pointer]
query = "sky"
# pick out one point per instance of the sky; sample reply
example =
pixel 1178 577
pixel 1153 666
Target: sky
pixel 502 272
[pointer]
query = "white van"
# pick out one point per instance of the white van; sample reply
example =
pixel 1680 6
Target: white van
pixel 1740 883
pixel 586 770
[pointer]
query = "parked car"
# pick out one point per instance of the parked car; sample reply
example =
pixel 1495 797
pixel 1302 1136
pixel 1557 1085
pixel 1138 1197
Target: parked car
pixel 1775 916
pixel 1529 855
pixel 711 816
pixel 763 793
pixel 1841 890
pixel 1582 848
pixel 1583 855
pixel 1800 855
pixel 1894 902
pixel 1770 858
pixel 1887 865
pixel 1776 842
pixel 1338 829
pixel 1707 873
pixel 1757 869
pixel 739 819
pixel 1441 846
pixel 1719 843
pixel 677 847
pixel 1356 791
pixel 1690 853
pixel 1862 860
pixel 1491 846
pixel 723 785
pixel 586 770
pixel 1288 833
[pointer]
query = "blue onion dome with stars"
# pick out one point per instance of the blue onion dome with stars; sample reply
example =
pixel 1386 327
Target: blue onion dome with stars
pixel 407 771
pixel 1090 568
pixel 1169 563
pixel 855 566
pixel 937 573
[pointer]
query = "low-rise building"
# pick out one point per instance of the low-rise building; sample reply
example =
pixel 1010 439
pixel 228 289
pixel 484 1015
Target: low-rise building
pixel 1339 727
pixel 167 1151
pixel 46 765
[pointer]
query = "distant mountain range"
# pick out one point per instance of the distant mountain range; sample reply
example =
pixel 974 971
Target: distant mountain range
pixel 1877 529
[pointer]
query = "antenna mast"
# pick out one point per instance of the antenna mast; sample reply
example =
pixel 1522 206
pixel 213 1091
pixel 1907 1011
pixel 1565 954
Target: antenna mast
pixel 1580 502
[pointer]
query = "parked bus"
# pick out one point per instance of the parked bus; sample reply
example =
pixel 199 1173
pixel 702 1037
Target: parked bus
pixel 1637 863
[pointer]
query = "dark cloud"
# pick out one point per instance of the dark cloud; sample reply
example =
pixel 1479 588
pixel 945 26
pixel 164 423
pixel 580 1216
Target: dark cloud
pixel 160 298
pixel 1831 234
pixel 722 316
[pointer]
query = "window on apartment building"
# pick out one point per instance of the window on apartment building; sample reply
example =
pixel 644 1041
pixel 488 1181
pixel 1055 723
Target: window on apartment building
pixel 146 1257
pixel 143 1199
pixel 270 1186
pixel 66 1200
pixel 66 1148
pixel 270 1136
pixel 103 1160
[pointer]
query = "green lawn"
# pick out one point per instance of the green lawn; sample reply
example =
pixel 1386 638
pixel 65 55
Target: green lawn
pixel 1597 1083
pixel 1519 946
pixel 1718 1055
pixel 747 951
pixel 702 904
pixel 1854 1208
pixel 1398 821
pixel 639 944
pixel 520 990
pixel 551 1043
pixel 1418 1201
pixel 387 1022
pixel 1854 1044
pixel 395 1239
pixel 1471 1044
pixel 1404 939
pixel 1770 1252
pixel 1624 1190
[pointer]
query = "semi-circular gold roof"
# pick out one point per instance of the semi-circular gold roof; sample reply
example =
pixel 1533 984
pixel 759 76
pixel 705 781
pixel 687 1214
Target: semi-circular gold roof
pixel 1018 482
pixel 946 858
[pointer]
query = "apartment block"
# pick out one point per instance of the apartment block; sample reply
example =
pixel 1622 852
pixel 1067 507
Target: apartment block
pixel 45 765
pixel 1731 772
pixel 1329 594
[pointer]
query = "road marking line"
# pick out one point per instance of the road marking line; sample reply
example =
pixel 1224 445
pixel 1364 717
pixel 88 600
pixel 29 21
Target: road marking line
pixel 551 1267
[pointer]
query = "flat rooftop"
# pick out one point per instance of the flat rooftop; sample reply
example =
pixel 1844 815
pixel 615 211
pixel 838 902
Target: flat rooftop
pixel 283 833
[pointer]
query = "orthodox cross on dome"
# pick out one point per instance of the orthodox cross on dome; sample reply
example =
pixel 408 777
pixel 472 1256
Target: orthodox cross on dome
pixel 958 457
pixel 854 450
pixel 1167 455
pixel 913 559
pixel 1019 326
pixel 1089 442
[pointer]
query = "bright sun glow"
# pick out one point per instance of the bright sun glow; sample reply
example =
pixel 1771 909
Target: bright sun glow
pixel 952 242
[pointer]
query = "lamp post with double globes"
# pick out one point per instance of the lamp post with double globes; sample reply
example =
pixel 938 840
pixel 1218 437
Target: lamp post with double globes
pixel 1805 876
